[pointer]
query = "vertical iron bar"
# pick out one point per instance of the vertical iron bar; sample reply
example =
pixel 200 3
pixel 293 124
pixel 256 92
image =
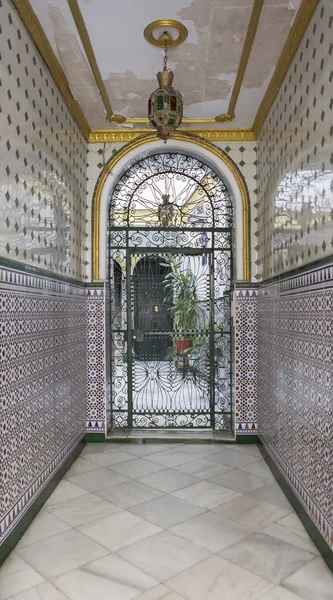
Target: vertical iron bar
pixel 129 332
pixel 212 335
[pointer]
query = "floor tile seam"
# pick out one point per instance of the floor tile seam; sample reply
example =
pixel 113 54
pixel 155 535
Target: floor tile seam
pixel 77 527
pixel 167 529
pixel 132 478
pixel 256 459
pixel 108 551
pixel 233 520
pixel 275 539
pixel 306 539
pixel 248 494
pixel 33 586
pixel 315 557
pixel 134 505
pixel 117 552
pixel 267 481
pixel 315 551
pixel 168 466
pixel 217 554
pixel 52 580
pixel 86 492
pixel 177 489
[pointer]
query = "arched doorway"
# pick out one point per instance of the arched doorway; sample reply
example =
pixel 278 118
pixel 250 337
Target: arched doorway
pixel 170 228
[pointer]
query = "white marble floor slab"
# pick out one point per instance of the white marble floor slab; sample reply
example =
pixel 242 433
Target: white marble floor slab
pixel 239 480
pixel 313 581
pixel 211 531
pixel 171 458
pixel 16 576
pixel 268 557
pixel 129 494
pixel 43 526
pixel 44 591
pixel 141 450
pixel 81 465
pixel 137 468
pixel 64 491
pixel 161 592
pixel 112 457
pixel 109 578
pixel 119 530
pixel 166 522
pixel 201 450
pixel 167 511
pixel 61 553
pixel 203 468
pixel 230 458
pixel 251 512
pixel 164 555
pixel 93 481
pixel 169 480
pixel 272 492
pixel 206 494
pixel 83 510
pixel 218 579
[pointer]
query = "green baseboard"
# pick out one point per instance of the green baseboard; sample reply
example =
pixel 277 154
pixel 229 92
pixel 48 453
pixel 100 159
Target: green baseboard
pixel 94 437
pixel 246 439
pixel 20 528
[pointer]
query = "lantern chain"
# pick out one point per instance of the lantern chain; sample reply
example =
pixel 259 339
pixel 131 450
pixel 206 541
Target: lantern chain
pixel 165 60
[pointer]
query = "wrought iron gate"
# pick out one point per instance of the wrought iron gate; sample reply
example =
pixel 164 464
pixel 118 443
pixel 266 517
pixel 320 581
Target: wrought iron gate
pixel 170 225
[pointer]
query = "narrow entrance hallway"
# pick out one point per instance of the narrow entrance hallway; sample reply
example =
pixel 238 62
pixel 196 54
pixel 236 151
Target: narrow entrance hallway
pixel 171 522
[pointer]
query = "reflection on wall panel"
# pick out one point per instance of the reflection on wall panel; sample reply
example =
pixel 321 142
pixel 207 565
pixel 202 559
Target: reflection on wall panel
pixel 295 161
pixel 43 160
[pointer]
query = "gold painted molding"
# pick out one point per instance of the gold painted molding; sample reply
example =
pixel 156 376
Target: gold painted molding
pixel 212 135
pixel 166 23
pixel 182 136
pixel 247 47
pixel 36 32
pixel 293 40
pixel 85 39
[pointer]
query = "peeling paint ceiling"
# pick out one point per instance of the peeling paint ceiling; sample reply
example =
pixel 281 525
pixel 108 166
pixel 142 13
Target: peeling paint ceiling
pixel 205 65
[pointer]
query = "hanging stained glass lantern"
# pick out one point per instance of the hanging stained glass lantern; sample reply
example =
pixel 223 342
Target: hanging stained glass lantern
pixel 165 105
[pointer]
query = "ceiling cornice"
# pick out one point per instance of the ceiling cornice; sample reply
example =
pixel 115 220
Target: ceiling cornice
pixel 85 39
pixel 36 32
pixel 247 47
pixel 293 41
pixel 212 135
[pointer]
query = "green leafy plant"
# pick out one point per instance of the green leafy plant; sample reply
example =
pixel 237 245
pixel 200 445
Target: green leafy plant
pixel 181 297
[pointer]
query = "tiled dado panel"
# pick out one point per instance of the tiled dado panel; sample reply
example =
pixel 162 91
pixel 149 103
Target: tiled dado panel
pixel 244 155
pixel 245 327
pixel 295 383
pixel 43 160
pixel 43 385
pixel 98 364
pixel 295 158
pixel 96 374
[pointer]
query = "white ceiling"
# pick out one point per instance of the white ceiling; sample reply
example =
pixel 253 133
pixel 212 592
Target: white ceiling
pixel 205 66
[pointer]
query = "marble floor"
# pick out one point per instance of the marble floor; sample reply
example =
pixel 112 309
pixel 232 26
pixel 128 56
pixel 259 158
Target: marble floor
pixel 171 522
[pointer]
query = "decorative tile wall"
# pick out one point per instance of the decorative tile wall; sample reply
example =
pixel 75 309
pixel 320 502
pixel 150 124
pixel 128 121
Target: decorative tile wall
pixel 295 158
pixel 295 383
pixel 43 385
pixel 95 349
pixel 245 325
pixel 43 164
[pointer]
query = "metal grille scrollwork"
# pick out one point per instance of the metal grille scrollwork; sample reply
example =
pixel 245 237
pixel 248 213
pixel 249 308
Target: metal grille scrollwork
pixel 170 225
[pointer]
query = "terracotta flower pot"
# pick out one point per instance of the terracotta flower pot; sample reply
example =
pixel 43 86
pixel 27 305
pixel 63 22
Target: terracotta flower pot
pixel 183 344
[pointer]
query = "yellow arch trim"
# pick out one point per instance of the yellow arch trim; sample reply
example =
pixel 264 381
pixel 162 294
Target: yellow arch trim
pixel 150 137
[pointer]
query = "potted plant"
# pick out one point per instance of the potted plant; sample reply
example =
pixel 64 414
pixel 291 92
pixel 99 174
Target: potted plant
pixel 182 300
